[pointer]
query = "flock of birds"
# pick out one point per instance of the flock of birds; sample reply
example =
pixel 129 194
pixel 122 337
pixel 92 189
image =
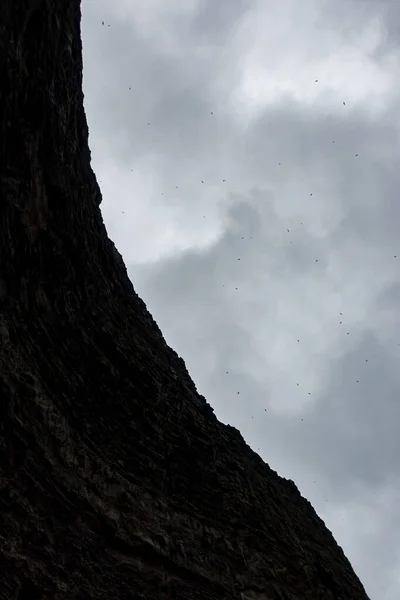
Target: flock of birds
pixel 288 231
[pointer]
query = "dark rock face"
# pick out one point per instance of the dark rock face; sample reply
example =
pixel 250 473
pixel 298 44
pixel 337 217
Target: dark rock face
pixel 116 479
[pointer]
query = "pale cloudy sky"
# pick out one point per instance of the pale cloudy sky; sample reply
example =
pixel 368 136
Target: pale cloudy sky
pixel 257 212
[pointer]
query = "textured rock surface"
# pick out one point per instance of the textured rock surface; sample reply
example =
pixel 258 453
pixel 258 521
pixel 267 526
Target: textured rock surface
pixel 116 479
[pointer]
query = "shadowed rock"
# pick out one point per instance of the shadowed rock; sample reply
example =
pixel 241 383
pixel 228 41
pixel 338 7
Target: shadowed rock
pixel 116 479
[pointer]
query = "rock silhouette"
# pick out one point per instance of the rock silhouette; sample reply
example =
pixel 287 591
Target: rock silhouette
pixel 116 479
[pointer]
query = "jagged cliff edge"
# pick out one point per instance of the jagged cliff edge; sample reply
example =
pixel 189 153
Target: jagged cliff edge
pixel 116 479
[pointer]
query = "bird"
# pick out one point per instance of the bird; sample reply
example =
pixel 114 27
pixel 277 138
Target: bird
pixel 212 113
pixel 344 103
pixel 224 180
pixel 316 81
pixel 102 22
pixel 356 155
pixel 311 194
pixel 316 260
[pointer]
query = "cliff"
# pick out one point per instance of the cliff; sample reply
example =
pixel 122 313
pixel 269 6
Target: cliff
pixel 116 479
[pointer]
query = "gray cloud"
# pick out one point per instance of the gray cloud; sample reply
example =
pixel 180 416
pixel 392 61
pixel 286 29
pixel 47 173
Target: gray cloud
pixel 278 340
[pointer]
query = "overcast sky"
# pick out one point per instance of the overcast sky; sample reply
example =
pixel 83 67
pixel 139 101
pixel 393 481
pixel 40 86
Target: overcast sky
pixel 248 156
